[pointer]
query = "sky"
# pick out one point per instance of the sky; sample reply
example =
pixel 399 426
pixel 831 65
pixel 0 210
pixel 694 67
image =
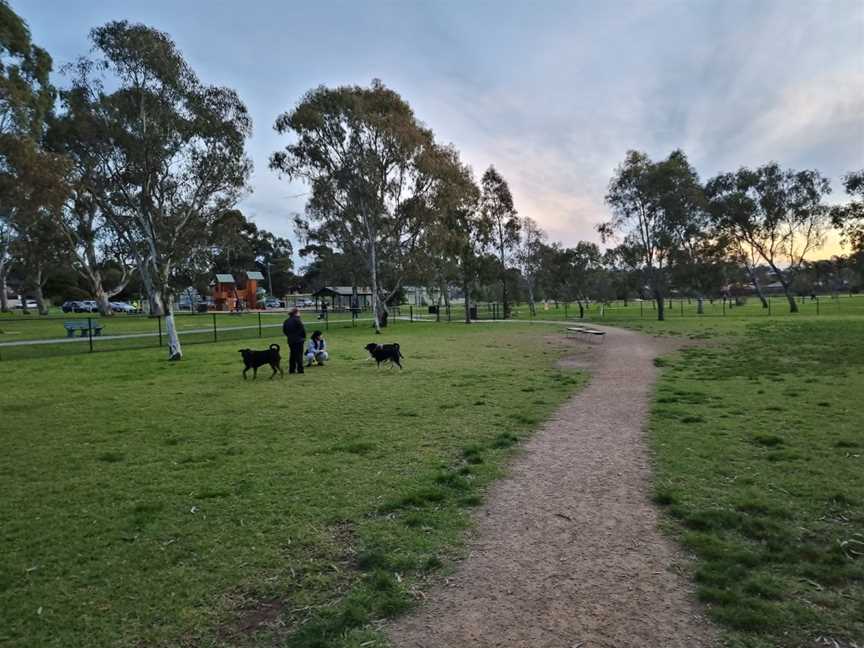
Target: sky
pixel 553 93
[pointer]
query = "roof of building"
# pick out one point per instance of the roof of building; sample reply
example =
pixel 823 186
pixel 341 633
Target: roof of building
pixel 225 278
pixel 254 274
pixel 345 291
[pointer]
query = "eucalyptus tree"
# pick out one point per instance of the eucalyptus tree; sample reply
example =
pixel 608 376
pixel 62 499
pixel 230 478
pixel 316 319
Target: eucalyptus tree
pixel 496 206
pixel 168 153
pixel 651 204
pixel 849 218
pixel 369 163
pixel 30 178
pixel 777 212
pixel 456 231
pixel 529 257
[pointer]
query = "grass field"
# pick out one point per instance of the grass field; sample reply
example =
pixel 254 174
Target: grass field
pixel 148 503
pixel 758 440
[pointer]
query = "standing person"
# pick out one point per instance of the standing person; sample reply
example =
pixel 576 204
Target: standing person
pixel 317 350
pixel 296 333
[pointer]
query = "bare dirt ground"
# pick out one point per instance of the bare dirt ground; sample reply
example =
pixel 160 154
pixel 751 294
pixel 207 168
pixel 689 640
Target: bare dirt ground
pixel 567 552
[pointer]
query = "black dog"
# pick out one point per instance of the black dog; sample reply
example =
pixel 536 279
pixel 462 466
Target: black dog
pixel 254 359
pixel 385 352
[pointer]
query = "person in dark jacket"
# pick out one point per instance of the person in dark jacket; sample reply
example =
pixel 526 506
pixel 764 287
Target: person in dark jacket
pixel 296 333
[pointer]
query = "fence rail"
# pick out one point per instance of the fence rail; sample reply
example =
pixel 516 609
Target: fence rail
pixel 33 336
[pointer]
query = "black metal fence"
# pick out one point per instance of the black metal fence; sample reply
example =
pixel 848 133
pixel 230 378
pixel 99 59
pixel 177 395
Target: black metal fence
pixel 33 336
pixel 55 335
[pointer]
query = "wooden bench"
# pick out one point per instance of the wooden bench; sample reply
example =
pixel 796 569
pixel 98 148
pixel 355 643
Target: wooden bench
pixel 586 331
pixel 82 325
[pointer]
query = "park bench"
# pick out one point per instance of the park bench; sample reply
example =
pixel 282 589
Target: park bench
pixel 84 326
pixel 586 331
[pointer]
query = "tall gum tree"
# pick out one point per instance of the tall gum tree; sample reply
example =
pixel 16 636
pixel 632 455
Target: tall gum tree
pixel 849 218
pixel 650 203
pixel 169 153
pixel 496 205
pixel 529 257
pixel 777 212
pixel 367 160
pixel 26 99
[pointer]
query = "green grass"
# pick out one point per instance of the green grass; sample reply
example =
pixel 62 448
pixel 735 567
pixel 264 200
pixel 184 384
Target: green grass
pixel 148 503
pixel 758 440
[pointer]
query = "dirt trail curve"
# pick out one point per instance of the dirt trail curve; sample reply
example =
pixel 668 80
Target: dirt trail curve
pixel 567 551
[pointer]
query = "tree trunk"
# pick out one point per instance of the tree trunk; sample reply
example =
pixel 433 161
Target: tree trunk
pixel 467 291
pixel 373 272
pixel 505 304
pixel 445 292
pixel 175 352
pixel 793 306
pixel 102 300
pixel 154 300
pixel 4 301
pixel 661 304
pixel 531 305
pixel 700 305
pixel 756 287
pixel 41 304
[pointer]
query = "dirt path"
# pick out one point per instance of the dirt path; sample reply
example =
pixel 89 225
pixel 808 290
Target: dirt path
pixel 567 551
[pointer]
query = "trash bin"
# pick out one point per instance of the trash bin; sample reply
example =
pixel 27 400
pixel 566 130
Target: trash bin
pixel 201 308
pixel 472 312
pixel 433 310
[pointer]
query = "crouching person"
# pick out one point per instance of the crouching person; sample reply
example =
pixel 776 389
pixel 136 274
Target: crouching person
pixel 317 351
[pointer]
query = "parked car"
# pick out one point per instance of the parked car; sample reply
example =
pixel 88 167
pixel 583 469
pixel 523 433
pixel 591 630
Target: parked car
pixel 71 307
pixel 122 307
pixel 273 303
pixel 87 306
pixel 27 304
pixel 305 303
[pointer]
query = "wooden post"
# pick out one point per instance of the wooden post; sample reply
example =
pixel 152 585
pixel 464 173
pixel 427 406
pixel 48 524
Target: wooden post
pixel 90 332
pixel 259 324
pixel 215 339
pixel 159 321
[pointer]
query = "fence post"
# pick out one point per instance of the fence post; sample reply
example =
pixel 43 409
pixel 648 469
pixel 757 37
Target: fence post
pixel 411 313
pixel 159 322
pixel 641 309
pixel 448 313
pixel 681 303
pixel 438 313
pixel 769 306
pixel 817 305
pixel 565 310
pixel 259 324
pixel 724 305
pixel 215 338
pixel 90 332
pixel 327 320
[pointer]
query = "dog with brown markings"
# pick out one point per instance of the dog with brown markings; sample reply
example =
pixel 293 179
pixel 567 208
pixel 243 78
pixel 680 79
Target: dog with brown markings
pixel 385 353
pixel 254 359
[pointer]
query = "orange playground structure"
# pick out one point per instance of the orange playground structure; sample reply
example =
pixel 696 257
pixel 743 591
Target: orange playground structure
pixel 236 295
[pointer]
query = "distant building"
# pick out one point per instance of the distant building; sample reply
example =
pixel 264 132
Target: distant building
pixel 240 294
pixel 343 297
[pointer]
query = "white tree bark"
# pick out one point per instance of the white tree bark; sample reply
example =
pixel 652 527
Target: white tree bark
pixel 4 302
pixel 175 351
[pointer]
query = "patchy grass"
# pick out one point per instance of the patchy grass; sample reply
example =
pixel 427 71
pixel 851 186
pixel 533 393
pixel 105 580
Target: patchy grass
pixel 758 449
pixel 155 504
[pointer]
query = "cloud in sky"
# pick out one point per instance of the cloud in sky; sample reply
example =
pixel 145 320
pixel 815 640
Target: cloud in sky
pixel 552 93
